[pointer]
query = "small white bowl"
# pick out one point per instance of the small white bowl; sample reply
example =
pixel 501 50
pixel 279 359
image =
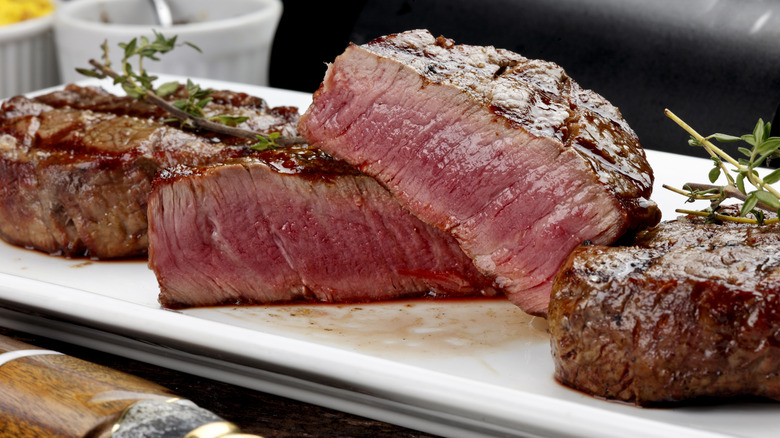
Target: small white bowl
pixel 235 36
pixel 27 58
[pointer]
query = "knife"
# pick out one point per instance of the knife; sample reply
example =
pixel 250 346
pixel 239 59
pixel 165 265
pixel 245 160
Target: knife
pixel 46 393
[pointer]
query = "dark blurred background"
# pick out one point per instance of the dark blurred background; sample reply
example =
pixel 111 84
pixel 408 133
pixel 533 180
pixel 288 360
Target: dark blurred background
pixel 715 63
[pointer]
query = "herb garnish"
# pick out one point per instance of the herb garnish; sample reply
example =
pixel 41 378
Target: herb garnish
pixel 265 143
pixel 190 111
pixel 196 101
pixel 742 180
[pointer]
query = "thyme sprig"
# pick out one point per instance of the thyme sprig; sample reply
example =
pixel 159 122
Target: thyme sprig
pixel 743 181
pixel 136 82
pixel 195 104
pixel 190 112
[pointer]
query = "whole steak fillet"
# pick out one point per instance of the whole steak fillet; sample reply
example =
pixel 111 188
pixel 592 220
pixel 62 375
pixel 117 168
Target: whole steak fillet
pixel 294 225
pixel 76 168
pixel 507 154
pixel 690 310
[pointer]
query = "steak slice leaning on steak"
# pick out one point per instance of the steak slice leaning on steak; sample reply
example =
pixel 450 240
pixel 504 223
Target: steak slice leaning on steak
pixel 690 310
pixel 294 225
pixel 507 154
pixel 75 181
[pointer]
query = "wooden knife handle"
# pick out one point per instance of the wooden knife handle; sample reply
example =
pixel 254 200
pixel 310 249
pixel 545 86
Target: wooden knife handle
pixel 43 393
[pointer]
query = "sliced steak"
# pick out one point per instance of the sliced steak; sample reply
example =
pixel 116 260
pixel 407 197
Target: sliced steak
pixel 294 225
pixel 689 310
pixel 75 181
pixel 507 154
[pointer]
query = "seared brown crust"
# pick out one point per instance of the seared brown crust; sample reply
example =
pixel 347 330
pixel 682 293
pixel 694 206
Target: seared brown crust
pixel 299 159
pixel 691 310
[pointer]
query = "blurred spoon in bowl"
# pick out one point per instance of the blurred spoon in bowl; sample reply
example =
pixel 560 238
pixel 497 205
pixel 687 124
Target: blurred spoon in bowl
pixel 163 13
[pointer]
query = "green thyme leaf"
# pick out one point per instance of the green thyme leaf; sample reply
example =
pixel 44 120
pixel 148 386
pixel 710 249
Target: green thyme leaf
pixel 129 48
pixel 725 138
pixel 167 89
pixel 768 199
pixel 132 90
pixel 772 177
pixel 203 102
pixel 759 132
pixel 769 146
pixel 749 204
pixel 740 183
pixel 265 143
pixel 229 120
pixel 714 174
pixel 194 47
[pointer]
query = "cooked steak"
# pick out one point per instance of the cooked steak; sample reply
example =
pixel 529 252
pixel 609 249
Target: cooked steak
pixel 507 154
pixel 689 310
pixel 294 225
pixel 261 117
pixel 75 180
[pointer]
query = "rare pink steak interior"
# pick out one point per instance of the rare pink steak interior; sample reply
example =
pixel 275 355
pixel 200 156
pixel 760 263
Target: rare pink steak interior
pixel 293 225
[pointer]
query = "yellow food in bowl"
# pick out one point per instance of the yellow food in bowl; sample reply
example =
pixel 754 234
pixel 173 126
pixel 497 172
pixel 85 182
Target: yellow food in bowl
pixel 14 11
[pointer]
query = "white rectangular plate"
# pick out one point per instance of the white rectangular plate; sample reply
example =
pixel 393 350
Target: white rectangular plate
pixel 455 368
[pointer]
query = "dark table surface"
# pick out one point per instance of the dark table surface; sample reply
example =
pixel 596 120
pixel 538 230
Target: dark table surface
pixel 254 412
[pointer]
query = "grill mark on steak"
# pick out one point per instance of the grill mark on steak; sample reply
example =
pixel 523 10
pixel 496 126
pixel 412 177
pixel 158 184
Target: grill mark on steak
pixel 463 149
pixel 77 166
pixel 688 310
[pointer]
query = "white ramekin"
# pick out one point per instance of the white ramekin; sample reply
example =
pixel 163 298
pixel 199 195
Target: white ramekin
pixel 235 36
pixel 27 58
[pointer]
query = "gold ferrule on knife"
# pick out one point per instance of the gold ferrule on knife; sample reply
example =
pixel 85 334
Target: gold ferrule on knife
pixel 222 429
pixel 180 414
